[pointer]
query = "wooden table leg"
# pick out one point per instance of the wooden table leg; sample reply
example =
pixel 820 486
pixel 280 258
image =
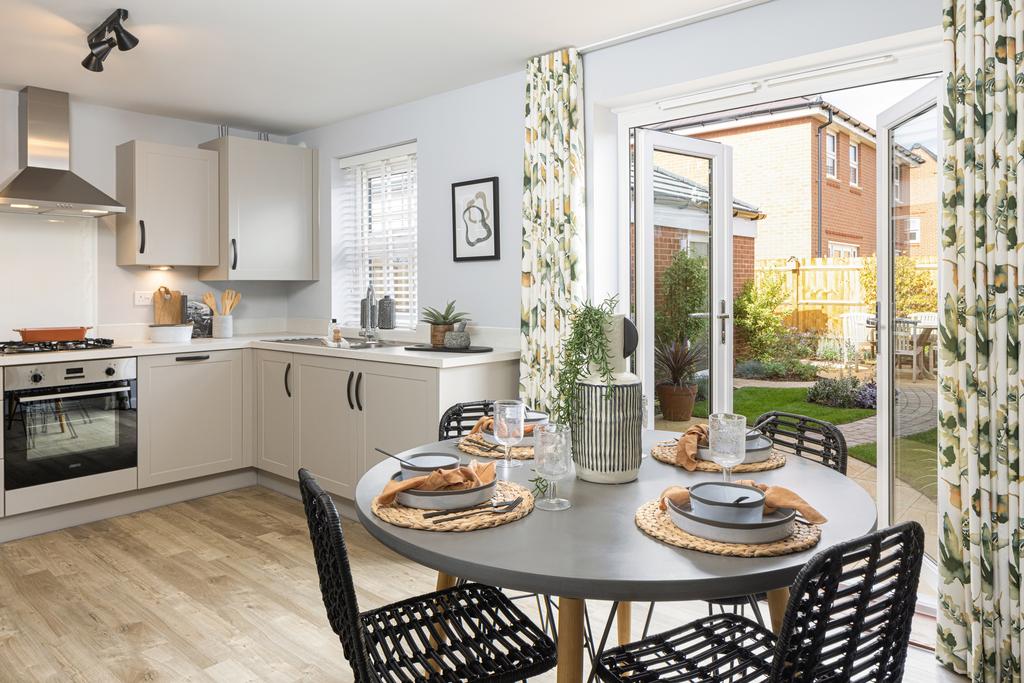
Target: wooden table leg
pixel 570 640
pixel 777 601
pixel 624 622
pixel 445 581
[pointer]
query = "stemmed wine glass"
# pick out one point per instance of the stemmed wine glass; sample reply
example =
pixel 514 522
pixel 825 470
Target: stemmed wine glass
pixel 552 456
pixel 509 424
pixel 728 440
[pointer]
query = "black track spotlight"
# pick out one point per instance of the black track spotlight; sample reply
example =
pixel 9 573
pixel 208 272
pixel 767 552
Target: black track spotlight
pixel 100 44
pixel 97 53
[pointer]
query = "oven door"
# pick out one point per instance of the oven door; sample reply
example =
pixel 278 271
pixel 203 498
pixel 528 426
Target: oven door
pixel 52 434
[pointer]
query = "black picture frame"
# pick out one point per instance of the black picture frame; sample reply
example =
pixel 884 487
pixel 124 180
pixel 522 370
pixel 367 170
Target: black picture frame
pixel 487 185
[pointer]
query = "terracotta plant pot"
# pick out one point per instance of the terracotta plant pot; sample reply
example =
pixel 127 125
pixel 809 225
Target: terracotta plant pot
pixel 437 334
pixel 676 402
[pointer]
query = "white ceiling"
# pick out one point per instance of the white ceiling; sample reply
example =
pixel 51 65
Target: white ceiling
pixel 287 66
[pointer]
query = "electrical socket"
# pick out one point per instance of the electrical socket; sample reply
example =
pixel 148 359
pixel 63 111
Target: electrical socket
pixel 143 298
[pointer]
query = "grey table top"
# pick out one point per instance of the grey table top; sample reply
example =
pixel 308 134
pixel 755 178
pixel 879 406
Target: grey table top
pixel 594 550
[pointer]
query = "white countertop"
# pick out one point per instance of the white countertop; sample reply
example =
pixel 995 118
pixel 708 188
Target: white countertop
pixel 269 341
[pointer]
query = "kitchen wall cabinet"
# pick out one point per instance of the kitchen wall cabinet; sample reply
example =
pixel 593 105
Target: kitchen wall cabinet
pixel 269 211
pixel 172 200
pixel 276 386
pixel 190 415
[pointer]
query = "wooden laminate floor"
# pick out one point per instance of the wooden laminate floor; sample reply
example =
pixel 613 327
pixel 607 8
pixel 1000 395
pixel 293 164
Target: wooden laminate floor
pixel 216 589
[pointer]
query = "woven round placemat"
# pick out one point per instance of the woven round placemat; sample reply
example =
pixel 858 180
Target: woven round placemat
pixel 412 518
pixel 655 522
pixel 474 444
pixel 666 452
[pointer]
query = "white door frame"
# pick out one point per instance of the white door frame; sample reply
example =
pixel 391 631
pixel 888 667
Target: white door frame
pixel 720 264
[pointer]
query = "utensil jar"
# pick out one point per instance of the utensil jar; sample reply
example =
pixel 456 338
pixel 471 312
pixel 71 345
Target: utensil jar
pixel 223 327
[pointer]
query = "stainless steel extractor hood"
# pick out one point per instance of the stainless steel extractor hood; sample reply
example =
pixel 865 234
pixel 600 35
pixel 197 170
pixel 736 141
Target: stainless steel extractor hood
pixel 45 184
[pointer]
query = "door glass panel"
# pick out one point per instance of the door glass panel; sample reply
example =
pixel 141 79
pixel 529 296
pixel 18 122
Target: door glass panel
pixel 914 218
pixel 682 288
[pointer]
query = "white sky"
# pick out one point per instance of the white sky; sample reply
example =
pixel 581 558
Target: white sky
pixel 867 102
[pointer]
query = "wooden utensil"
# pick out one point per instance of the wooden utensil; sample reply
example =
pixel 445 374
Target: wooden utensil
pixel 232 298
pixel 166 306
pixel 210 301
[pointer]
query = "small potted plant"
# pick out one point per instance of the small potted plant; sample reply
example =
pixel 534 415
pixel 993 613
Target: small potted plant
pixel 442 321
pixel 677 363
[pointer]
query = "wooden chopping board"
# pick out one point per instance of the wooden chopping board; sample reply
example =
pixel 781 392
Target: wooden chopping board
pixel 166 306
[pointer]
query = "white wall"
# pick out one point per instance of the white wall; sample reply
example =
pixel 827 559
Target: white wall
pixel 473 132
pixel 95 133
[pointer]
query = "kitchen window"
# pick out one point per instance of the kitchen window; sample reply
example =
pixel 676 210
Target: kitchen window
pixel 854 164
pixel 831 151
pixel 373 234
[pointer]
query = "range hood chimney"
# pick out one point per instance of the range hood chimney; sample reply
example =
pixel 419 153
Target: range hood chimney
pixel 45 184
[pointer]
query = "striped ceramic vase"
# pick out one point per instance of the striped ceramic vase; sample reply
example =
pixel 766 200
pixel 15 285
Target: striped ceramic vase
pixel 606 430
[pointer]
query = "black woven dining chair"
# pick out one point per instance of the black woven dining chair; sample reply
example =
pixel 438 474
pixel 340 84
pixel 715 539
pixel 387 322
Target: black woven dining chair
pixel 809 438
pixel 460 418
pixel 467 633
pixel 849 617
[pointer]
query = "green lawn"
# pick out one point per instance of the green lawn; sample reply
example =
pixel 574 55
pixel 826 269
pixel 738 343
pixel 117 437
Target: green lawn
pixel 755 401
pixel 915 456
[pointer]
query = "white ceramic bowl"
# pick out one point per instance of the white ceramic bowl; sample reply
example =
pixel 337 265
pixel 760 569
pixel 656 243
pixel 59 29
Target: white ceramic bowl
pixel 774 527
pixel 425 463
pixel 718 501
pixel 445 500
pixel 171 334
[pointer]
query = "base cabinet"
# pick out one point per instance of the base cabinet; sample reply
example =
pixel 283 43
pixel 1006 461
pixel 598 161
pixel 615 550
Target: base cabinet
pixel 398 409
pixel 276 386
pixel 190 416
pixel 328 427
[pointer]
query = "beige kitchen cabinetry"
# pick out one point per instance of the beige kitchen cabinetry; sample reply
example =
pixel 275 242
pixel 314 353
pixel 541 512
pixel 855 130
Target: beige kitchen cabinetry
pixel 172 200
pixel 332 413
pixel 269 211
pixel 1 454
pixel 190 415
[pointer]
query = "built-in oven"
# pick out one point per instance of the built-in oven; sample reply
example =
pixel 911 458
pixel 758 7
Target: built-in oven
pixel 66 421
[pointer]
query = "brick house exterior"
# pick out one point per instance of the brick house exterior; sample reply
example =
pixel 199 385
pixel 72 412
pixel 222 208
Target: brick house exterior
pixel 916 210
pixel 775 167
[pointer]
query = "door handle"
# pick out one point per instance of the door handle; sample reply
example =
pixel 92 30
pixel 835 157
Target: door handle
pixel 359 383
pixel 348 391
pixel 234 254
pixel 287 371
pixel 192 358
pixel 722 317
pixel 142 236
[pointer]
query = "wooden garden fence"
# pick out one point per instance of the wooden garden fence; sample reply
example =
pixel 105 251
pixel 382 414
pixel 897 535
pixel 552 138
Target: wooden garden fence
pixel 820 290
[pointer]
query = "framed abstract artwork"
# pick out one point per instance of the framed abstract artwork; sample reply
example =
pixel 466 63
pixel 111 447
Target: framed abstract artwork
pixel 475 221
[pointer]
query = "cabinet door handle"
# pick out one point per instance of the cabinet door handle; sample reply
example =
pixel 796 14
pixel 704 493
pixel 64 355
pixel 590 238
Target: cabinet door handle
pixel 348 391
pixel 190 358
pixel 287 371
pixel 142 236
pixel 359 383
pixel 234 254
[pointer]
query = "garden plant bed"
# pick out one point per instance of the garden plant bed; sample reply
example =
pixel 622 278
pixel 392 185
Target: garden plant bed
pixel 755 401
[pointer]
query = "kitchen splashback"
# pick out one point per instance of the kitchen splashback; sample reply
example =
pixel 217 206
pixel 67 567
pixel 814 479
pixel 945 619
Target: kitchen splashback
pixel 48 272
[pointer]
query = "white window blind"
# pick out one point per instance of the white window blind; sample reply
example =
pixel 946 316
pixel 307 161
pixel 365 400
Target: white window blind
pixel 373 236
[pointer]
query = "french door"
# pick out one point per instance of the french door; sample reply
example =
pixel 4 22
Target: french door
pixel 682 243
pixel 909 184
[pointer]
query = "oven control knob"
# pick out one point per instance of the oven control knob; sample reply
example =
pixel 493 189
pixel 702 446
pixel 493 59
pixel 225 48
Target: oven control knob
pixel 36 377
pixel 110 371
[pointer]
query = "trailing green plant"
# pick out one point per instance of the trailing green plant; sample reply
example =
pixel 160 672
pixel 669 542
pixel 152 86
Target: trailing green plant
pixel 684 291
pixel 586 345
pixel 677 362
pixel 449 316
pixel 758 316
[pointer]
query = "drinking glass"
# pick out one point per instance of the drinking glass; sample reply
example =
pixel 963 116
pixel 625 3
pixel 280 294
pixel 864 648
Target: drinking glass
pixel 728 440
pixel 552 457
pixel 509 423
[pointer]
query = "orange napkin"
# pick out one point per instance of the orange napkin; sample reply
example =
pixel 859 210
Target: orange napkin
pixel 686 448
pixel 466 477
pixel 486 423
pixel 775 497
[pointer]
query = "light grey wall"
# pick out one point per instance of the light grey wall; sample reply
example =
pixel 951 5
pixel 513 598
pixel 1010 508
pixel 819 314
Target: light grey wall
pixel 464 134
pixel 95 133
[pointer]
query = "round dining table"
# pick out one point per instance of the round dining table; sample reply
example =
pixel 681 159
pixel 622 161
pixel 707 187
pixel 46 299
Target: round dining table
pixel 595 551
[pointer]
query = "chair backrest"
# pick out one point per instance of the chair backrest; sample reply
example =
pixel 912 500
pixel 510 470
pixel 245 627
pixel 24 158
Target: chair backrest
pixel 460 418
pixel 807 437
pixel 926 318
pixel 336 585
pixel 850 610
pixel 904 334
pixel 855 327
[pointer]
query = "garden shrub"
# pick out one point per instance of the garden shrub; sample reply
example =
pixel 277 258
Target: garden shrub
pixel 867 396
pixel 750 369
pixel 758 316
pixel 836 393
pixel 781 370
pixel 684 288
pixel 914 290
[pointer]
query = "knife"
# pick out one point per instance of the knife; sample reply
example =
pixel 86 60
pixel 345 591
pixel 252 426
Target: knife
pixel 496 510
pixel 486 506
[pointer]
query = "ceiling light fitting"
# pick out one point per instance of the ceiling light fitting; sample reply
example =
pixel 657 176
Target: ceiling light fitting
pixel 100 44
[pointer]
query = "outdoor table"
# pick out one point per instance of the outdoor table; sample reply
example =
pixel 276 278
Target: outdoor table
pixel 594 551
